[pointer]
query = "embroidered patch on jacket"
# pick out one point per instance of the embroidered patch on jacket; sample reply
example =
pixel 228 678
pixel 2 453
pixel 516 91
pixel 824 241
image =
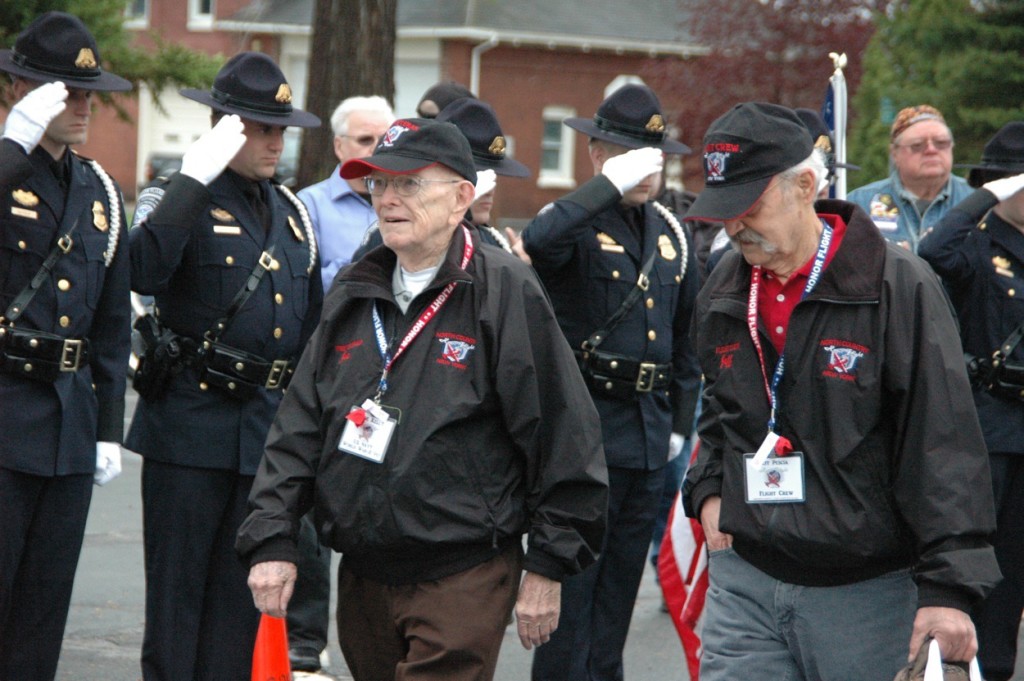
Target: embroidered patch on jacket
pixel 454 349
pixel 842 358
pixel 343 350
pixel 146 203
pixel 724 353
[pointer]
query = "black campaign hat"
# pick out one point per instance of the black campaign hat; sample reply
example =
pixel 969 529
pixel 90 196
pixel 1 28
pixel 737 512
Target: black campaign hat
pixel 743 150
pixel 441 95
pixel 630 117
pixel 252 86
pixel 412 144
pixel 1003 155
pixel 823 138
pixel 57 46
pixel 478 122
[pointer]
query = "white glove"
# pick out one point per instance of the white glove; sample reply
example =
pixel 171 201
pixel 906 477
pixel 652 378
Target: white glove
pixel 30 117
pixel 212 152
pixel 108 462
pixel 1006 187
pixel 675 445
pixel 628 170
pixel 486 181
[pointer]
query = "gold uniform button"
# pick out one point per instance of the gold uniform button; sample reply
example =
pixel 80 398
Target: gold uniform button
pixel 278 298
pixel 614 364
pixel 22 245
pixel 650 303
pixel 678 279
pixel 229 260
pixel 203 386
pixel 63 284
pixel 1012 292
pixel 651 335
pixel 65 321
pixel 615 274
pixel 278 332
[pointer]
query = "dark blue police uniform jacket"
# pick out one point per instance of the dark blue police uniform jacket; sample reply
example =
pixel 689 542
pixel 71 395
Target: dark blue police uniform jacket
pixel 193 248
pixel 52 428
pixel 982 264
pixel 589 258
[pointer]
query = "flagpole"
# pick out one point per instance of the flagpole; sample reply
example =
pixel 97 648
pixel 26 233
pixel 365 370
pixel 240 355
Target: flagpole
pixel 838 83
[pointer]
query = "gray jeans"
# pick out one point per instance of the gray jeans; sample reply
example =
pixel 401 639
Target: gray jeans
pixel 757 628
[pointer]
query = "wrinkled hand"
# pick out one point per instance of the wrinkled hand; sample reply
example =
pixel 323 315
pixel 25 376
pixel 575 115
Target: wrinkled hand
pixel 272 584
pixel 515 240
pixel 537 609
pixel 675 445
pixel 628 170
pixel 212 152
pixel 1005 187
pixel 108 462
pixel 709 514
pixel 30 117
pixel 486 181
pixel 952 628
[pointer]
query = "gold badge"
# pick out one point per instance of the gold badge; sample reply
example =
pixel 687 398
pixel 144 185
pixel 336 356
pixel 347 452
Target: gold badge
pixel 823 143
pixel 284 94
pixel 605 239
pixel 25 197
pixel 295 228
pixel 86 59
pixel 497 146
pixel 221 215
pixel 656 124
pixel 99 216
pixel 668 251
pixel 1000 261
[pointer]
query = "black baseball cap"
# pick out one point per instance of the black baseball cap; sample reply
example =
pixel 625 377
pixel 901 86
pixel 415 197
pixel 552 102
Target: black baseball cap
pixel 57 46
pixel 412 144
pixel 743 150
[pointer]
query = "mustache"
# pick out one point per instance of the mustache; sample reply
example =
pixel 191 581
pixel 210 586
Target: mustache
pixel 747 236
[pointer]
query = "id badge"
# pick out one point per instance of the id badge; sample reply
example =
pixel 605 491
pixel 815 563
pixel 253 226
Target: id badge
pixel 368 430
pixel 779 480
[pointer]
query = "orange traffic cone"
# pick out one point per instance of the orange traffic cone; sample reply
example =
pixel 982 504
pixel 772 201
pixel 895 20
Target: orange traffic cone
pixel 270 656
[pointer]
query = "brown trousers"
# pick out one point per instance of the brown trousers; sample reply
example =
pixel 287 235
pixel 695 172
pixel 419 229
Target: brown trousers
pixel 449 629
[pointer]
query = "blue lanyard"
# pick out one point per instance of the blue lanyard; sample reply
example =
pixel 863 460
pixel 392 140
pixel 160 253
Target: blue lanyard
pixel 772 389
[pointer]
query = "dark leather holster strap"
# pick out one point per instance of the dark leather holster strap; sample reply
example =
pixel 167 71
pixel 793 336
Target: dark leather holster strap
pixel 39 355
pixel 21 301
pixel 642 284
pixel 622 377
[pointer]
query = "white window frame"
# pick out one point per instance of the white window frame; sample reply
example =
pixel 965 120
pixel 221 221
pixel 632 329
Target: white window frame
pixel 198 20
pixel 136 21
pixel 564 176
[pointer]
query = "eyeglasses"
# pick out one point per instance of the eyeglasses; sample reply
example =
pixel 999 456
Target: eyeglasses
pixel 919 147
pixel 362 140
pixel 404 185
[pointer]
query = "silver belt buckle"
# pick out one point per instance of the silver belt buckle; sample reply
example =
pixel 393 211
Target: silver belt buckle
pixel 277 372
pixel 71 355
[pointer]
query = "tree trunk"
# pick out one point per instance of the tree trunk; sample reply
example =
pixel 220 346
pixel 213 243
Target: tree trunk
pixel 352 52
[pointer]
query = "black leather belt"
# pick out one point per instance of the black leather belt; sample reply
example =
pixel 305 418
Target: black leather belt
pixel 238 372
pixel 39 355
pixel 622 377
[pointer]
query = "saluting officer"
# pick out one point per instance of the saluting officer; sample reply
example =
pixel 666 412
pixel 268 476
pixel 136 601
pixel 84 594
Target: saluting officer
pixel 64 333
pixel 231 259
pixel 620 271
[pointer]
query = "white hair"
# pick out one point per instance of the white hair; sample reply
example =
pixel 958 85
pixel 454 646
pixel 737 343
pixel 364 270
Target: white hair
pixel 373 104
pixel 815 163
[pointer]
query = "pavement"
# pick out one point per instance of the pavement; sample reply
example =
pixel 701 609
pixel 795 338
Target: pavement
pixel 104 631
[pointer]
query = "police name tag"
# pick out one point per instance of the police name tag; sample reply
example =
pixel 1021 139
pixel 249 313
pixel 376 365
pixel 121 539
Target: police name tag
pixel 367 432
pixel 779 480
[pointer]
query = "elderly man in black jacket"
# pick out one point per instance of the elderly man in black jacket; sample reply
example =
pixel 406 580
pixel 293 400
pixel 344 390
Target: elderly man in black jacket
pixel 435 418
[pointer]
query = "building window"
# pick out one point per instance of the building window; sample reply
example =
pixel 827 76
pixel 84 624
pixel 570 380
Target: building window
pixel 136 13
pixel 200 14
pixel 557 149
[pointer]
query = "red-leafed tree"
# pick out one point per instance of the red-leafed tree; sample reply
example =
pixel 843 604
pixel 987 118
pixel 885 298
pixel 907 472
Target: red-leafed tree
pixel 761 50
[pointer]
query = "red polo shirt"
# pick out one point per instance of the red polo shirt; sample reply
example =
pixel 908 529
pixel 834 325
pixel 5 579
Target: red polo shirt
pixel 775 300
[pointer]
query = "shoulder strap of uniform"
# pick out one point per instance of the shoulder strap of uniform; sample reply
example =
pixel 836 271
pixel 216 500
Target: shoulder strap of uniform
pixel 114 204
pixel 307 224
pixel 680 235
